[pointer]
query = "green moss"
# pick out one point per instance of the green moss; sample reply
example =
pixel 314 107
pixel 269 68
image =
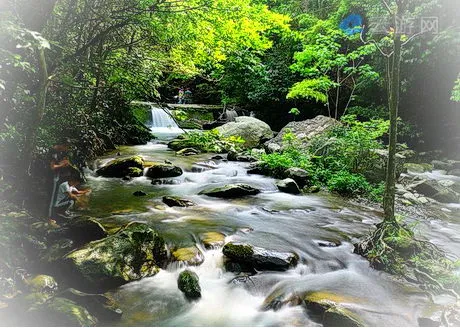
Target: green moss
pixel 43 283
pixel 212 239
pixel 135 172
pixel 188 283
pixel 68 313
pixel 238 251
pixel 338 316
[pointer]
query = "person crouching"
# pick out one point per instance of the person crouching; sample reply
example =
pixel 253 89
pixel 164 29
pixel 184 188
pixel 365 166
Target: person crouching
pixel 67 195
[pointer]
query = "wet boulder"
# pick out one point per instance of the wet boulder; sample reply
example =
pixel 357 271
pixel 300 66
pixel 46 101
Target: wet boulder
pixel 172 201
pixel 331 311
pixel 440 191
pixel 212 239
pixel 132 166
pixel 135 252
pixel 240 156
pixel 288 186
pixel 259 258
pixel 189 255
pixel 300 176
pixel 418 168
pixel 42 284
pixel 163 170
pixel 253 131
pixel 189 283
pixel 100 305
pixel 231 191
pixel 139 193
pixel 61 312
pixel 80 230
pixel 187 152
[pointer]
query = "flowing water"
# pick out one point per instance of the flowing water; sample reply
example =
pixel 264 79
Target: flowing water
pixel 273 220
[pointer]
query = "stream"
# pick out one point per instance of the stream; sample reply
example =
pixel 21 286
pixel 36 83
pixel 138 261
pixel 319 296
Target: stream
pixel 273 220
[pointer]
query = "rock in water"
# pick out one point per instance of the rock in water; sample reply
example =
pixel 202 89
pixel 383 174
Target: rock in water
pixel 252 130
pixel 289 186
pixel 162 170
pixel 188 283
pixel 172 201
pixel 102 306
pixel 305 131
pixel 440 191
pixel 213 239
pixel 259 258
pixel 139 193
pixel 119 168
pixel 187 152
pixel 231 191
pixel 61 312
pixel 328 306
pixel 189 255
pixel 300 176
pixel 135 252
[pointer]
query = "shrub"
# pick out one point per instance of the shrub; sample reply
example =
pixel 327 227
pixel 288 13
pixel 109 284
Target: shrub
pixel 213 141
pixel 347 184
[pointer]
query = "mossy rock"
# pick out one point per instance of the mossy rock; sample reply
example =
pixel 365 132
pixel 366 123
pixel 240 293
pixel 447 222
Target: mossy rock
pixel 329 308
pixel 212 239
pixel 61 312
pixel 120 168
pixel 134 172
pixel 249 256
pixel 172 201
pixel 231 191
pixel 187 152
pixel 42 284
pixel 163 170
pixel 135 252
pixel 100 305
pixel 418 168
pixel 189 255
pixel 188 283
pixel 338 316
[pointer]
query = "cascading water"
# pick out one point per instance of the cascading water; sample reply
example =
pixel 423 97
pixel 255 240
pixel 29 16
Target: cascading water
pixel 163 125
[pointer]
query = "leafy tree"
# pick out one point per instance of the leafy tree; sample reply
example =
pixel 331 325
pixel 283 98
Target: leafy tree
pixel 334 66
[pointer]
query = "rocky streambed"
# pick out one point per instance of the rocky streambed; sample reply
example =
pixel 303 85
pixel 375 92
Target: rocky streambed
pixel 172 240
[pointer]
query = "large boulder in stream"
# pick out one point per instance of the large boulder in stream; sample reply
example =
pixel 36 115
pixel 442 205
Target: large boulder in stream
pixel 163 170
pixel 305 131
pixel 252 257
pixel 188 283
pixel 288 186
pixel 442 191
pixel 376 168
pixel 231 191
pixel 252 130
pixel 118 168
pixel 300 176
pixel 135 252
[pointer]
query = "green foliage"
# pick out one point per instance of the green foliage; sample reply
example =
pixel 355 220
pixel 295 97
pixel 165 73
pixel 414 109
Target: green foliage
pixel 337 159
pixel 456 91
pixel 348 184
pixel 294 111
pixel 212 141
pixel 350 146
pixel 333 65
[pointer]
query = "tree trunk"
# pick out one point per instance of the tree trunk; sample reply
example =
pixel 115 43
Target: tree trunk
pixel 390 182
pixel 37 114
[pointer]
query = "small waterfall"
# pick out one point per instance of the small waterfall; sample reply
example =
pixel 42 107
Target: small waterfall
pixel 161 118
pixel 163 125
